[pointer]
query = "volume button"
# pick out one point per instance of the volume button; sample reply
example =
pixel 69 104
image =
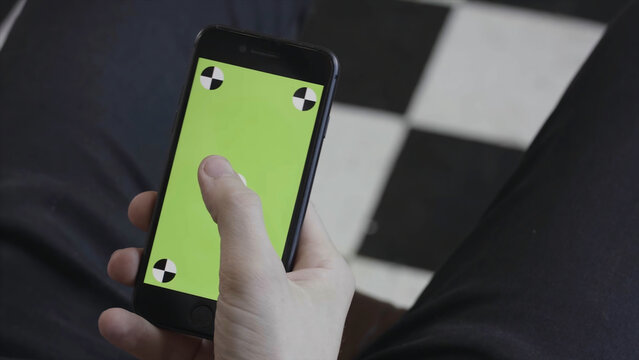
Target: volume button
pixel 173 129
pixel 328 120
pixel 179 104
pixel 175 121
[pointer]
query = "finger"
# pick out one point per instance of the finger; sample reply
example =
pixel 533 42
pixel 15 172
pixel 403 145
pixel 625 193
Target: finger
pixel 315 249
pixel 141 209
pixel 137 336
pixel 123 265
pixel 316 252
pixel 237 210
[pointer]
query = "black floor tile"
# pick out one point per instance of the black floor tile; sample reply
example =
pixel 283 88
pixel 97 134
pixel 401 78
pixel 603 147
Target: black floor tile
pixel 382 45
pixel 435 196
pixel 602 11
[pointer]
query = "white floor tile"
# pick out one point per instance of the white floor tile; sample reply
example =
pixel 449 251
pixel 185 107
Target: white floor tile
pixel 359 151
pixel 398 284
pixel 497 72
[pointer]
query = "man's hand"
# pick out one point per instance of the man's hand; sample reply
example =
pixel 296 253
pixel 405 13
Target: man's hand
pixel 262 311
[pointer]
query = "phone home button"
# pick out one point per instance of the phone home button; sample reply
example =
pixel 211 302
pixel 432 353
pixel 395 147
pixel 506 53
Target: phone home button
pixel 202 316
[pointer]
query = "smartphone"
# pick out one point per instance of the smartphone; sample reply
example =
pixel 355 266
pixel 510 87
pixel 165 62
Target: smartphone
pixel 263 103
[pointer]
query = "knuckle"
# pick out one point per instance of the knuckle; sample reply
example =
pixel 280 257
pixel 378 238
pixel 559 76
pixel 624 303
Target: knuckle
pixel 238 199
pixel 228 199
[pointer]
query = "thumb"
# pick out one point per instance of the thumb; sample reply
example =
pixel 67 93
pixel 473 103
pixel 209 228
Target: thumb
pixel 245 248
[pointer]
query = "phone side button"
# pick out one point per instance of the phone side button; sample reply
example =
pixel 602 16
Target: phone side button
pixel 174 125
pixel 202 316
pixel 328 120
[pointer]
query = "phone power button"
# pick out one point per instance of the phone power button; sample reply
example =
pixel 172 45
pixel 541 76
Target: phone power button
pixel 328 120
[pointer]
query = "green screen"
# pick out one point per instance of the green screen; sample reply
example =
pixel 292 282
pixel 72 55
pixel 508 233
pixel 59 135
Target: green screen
pixel 263 124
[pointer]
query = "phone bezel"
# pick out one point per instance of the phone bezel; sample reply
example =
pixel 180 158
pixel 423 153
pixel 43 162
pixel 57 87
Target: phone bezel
pixel 281 57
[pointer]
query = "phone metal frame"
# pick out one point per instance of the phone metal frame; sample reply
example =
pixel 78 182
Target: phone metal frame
pixel 174 310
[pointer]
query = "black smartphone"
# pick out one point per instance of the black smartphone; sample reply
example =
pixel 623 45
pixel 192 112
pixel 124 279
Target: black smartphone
pixel 263 103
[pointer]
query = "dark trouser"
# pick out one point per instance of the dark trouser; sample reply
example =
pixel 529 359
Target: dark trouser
pixel 552 270
pixel 87 93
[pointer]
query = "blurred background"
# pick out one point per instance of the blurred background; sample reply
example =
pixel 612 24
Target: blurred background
pixel 437 101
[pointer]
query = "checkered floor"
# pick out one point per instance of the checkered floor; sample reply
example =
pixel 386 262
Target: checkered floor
pixel 438 99
pixel 436 104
